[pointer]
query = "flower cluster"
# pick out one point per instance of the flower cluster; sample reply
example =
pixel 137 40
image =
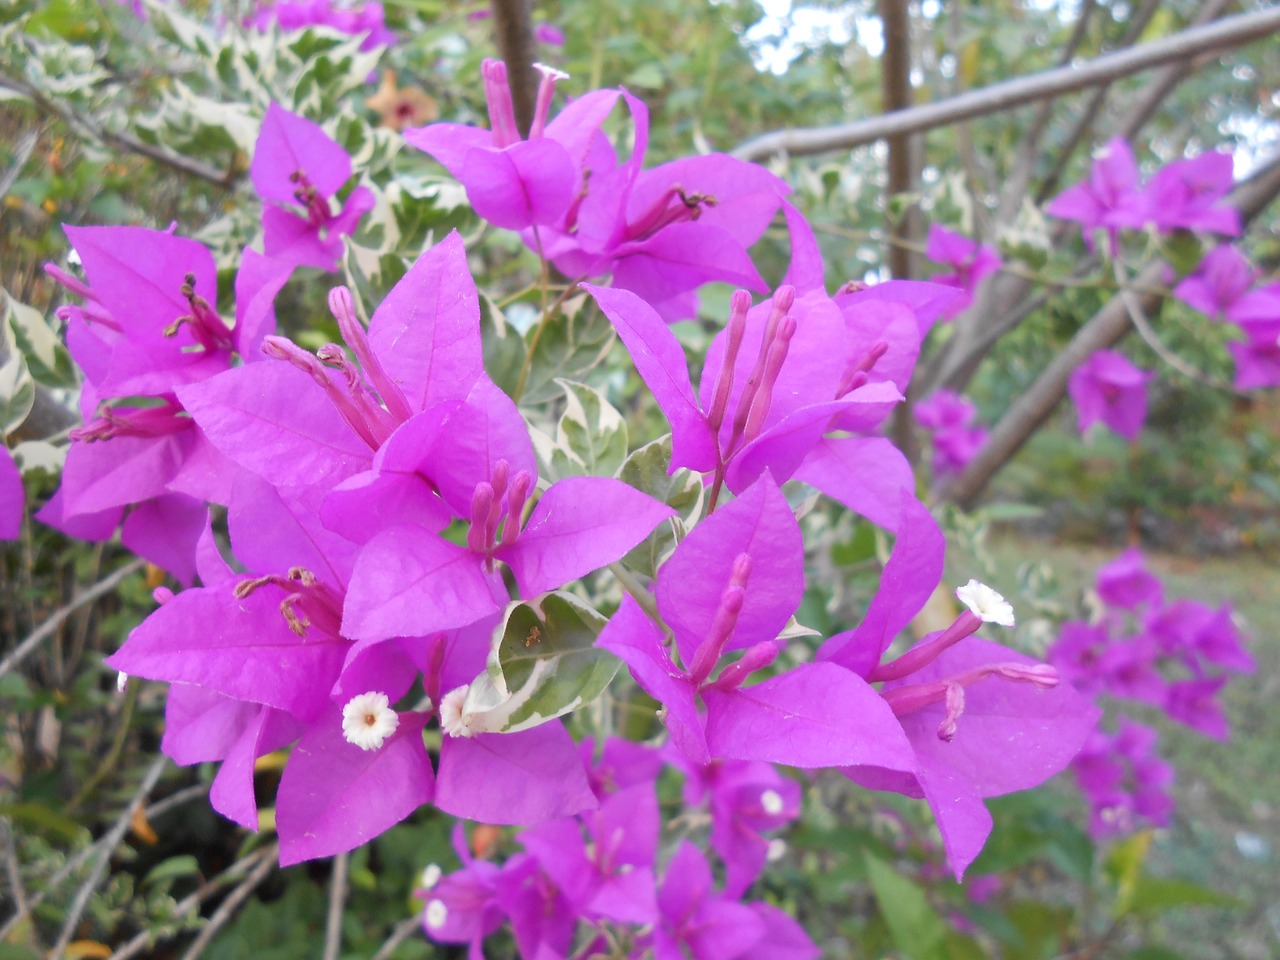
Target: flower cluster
pixel 1183 195
pixel 1225 287
pixel 1174 655
pixel 948 418
pixel 970 262
pixel 412 598
pixel 352 19
pixel 581 875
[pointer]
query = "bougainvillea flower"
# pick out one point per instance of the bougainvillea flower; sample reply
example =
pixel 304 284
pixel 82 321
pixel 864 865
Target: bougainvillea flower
pixel 317 420
pixel 512 181
pixel 1200 635
pixel 746 800
pixel 1257 356
pixel 1110 199
pixel 149 323
pixel 982 720
pixel 772 387
pixel 731 585
pixel 1076 654
pixel 949 419
pixel 1126 582
pixel 297 168
pixel 697 922
pixel 12 497
pixel 1124 779
pixel 352 19
pixel 1223 288
pixel 970 262
pixel 463 906
pixel 408 580
pixel 1185 194
pixel 662 233
pixel 1109 388
pixel 610 873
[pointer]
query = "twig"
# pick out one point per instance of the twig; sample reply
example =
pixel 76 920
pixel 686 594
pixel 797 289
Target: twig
pixel 337 902
pixel 108 762
pixel 1019 177
pixel 124 141
pixel 161 807
pixel 228 907
pixel 46 629
pixel 1224 34
pixel 264 859
pixel 1148 333
pixel 1147 101
pixel 402 932
pixel 112 839
pixel 13 869
pixel 21 154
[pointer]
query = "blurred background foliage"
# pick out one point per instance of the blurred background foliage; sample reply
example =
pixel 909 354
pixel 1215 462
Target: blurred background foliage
pixel 106 118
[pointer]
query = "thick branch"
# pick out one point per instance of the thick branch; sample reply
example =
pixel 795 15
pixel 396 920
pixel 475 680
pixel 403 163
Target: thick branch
pixel 895 94
pixel 1222 35
pixel 1106 327
pixel 513 36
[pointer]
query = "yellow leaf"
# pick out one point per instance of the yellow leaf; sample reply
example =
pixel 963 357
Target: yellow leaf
pixel 141 827
pixel 86 950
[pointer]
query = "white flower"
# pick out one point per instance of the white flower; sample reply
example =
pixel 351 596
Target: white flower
pixel 985 604
pixel 771 802
pixel 431 874
pixel 452 719
pixel 368 720
pixel 122 681
pixel 548 71
pixel 437 914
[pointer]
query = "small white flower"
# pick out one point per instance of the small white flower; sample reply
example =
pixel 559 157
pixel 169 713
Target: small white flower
pixel 987 605
pixel 451 713
pixel 431 874
pixel 368 720
pixel 776 851
pixel 122 681
pixel 771 802
pixel 437 914
pixel 549 71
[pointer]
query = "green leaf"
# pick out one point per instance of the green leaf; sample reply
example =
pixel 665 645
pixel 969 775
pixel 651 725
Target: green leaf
pixel 39 343
pixel 591 435
pixel 172 869
pixel 17 393
pixel 1156 895
pixel 545 664
pixel 917 930
pixel 646 470
pixel 571 344
pixel 1123 868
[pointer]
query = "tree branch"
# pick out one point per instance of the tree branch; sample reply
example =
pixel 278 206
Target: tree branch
pixel 1222 35
pixel 123 141
pixel 1152 96
pixel 513 36
pixel 1106 327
